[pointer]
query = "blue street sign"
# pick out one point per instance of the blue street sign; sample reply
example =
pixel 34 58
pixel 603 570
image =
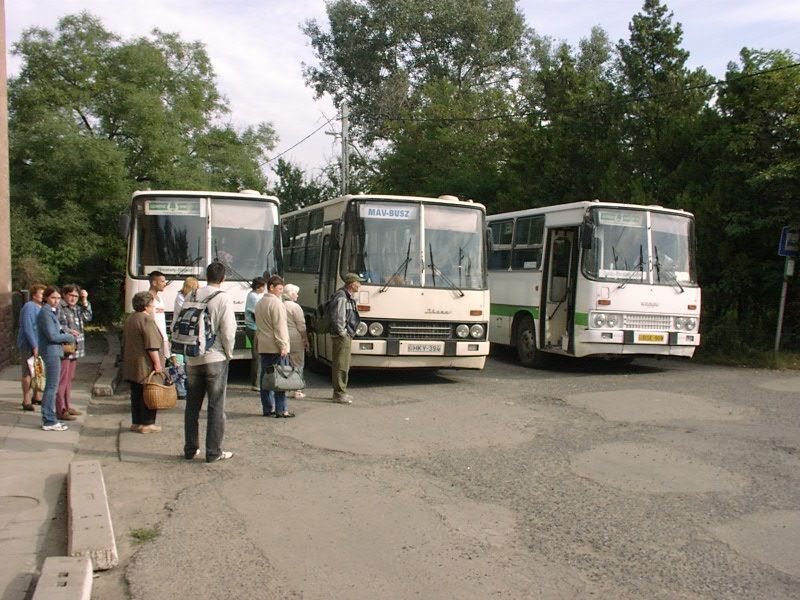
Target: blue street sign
pixel 790 242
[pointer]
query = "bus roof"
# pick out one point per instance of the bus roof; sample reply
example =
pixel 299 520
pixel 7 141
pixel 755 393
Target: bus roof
pixel 243 195
pixel 448 200
pixel 583 205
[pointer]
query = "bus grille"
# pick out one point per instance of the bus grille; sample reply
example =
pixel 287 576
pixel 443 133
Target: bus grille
pixel 652 322
pixel 420 330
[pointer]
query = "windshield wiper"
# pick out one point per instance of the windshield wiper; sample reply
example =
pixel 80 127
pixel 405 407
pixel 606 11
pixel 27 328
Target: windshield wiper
pixel 639 265
pixel 403 265
pixel 435 270
pixel 670 275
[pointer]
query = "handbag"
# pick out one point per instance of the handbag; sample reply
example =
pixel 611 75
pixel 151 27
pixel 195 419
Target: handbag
pixel 159 396
pixel 38 380
pixel 282 378
pixel 69 347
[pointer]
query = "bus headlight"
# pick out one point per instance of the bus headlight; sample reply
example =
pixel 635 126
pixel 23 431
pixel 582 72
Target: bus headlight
pixel 612 321
pixel 476 331
pixel 361 329
pixel 691 323
pixel 599 320
pixel 462 331
pixel 685 323
pixel 375 329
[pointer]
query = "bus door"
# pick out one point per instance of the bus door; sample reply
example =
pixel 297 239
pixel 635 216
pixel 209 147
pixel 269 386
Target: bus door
pixel 559 290
pixel 325 288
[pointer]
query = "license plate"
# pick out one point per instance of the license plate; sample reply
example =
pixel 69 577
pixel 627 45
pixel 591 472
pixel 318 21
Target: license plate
pixel 651 337
pixel 425 348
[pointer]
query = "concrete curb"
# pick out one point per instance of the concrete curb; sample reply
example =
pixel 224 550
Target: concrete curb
pixel 106 382
pixel 64 578
pixel 90 533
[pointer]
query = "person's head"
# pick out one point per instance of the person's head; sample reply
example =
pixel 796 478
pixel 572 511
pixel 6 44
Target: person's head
pixel 142 301
pixel 290 292
pixel 258 285
pixel 190 284
pixel 52 296
pixel 158 281
pixel 37 292
pixel 352 282
pixel 215 273
pixel 70 293
pixel 275 285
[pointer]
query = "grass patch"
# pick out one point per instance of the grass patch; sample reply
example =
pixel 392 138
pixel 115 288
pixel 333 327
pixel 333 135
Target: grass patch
pixel 145 534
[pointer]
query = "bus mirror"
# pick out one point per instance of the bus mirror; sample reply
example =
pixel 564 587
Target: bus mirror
pixel 285 236
pixel 489 240
pixel 587 233
pixel 124 224
pixel 338 233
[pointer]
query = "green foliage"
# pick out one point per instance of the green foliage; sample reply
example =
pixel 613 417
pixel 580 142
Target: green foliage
pixel 92 118
pixel 295 191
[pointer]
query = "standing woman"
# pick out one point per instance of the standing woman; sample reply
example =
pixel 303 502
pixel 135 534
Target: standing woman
pixel 273 344
pixel 72 315
pixel 178 368
pixel 50 339
pixel 253 297
pixel 190 284
pixel 28 341
pixel 298 337
pixel 142 353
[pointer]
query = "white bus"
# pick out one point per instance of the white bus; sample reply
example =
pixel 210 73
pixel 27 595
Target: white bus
pixel 181 232
pixel 425 300
pixel 593 279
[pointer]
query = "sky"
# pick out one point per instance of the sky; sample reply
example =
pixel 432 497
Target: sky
pixel 257 48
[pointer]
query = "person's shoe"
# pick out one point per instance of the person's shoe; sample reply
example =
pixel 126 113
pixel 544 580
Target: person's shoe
pixel 65 416
pixel 35 401
pixel 136 428
pixel 193 456
pixel 343 399
pixel 299 395
pixel 269 414
pixel 55 427
pixel 74 411
pixel 28 407
pixel 286 415
pixel 255 388
pixel 224 456
pixel 150 429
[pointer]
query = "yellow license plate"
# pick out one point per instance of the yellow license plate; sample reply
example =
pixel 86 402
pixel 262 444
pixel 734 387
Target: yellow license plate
pixel 651 337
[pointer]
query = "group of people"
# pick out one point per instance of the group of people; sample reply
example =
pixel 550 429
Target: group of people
pixel 276 328
pixel 52 328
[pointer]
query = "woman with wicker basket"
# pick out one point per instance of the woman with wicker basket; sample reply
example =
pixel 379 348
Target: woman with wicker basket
pixel 142 353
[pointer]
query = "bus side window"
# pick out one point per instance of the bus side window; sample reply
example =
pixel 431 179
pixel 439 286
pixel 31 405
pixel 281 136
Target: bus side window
pixel 311 261
pixel 500 257
pixel 527 253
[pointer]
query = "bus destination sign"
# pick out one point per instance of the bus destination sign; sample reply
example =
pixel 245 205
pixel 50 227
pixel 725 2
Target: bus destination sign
pixel 189 207
pixel 394 212
pixel 620 218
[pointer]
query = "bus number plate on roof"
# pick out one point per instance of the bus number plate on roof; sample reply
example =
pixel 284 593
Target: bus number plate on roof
pixel 651 338
pixel 184 207
pixel 394 212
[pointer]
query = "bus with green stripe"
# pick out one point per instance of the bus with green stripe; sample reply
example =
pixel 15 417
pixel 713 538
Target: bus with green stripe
pixel 594 278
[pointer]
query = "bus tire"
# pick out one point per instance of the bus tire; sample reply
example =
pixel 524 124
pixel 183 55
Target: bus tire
pixel 525 340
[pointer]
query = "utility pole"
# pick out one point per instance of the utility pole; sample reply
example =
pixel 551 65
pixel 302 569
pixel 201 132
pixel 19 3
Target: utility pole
pixel 345 149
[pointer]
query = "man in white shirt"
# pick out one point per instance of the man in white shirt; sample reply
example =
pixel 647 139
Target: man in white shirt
pixel 208 373
pixel 158 283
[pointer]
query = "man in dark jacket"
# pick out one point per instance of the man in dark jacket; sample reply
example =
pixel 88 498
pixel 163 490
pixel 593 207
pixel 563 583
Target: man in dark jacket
pixel 344 320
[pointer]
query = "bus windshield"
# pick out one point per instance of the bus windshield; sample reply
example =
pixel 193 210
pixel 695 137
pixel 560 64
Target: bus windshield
pixel 387 245
pixel 622 250
pixel 243 235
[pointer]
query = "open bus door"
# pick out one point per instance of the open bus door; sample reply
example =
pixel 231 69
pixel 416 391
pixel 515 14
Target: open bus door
pixel 557 320
pixel 326 285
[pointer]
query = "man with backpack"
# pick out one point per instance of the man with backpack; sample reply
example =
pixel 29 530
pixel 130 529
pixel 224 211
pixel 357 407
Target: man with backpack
pixel 208 361
pixel 344 319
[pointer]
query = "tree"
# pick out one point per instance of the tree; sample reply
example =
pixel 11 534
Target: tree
pixel 93 117
pixel 295 190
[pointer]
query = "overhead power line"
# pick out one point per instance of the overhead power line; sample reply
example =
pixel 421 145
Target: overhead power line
pixel 290 148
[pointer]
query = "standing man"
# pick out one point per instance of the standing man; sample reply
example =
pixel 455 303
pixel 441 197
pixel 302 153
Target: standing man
pixel 273 343
pixel 255 294
pixel 158 283
pixel 208 373
pixel 344 321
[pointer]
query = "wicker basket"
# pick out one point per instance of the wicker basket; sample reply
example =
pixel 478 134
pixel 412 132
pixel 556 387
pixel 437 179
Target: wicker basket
pixel 158 395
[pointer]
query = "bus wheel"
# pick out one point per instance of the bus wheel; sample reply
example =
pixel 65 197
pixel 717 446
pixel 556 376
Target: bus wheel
pixel 527 352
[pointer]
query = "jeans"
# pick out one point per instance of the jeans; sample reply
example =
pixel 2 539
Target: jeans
pixel 210 379
pixel 272 401
pixel 52 371
pixel 140 414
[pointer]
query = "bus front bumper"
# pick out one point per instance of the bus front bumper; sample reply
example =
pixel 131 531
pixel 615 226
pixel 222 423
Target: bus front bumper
pixel 419 353
pixel 662 343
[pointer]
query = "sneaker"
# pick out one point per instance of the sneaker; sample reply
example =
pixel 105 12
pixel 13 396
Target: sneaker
pixel 344 399
pixel 193 456
pixel 65 416
pixel 55 427
pixel 150 429
pixel 255 388
pixel 75 411
pixel 224 456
